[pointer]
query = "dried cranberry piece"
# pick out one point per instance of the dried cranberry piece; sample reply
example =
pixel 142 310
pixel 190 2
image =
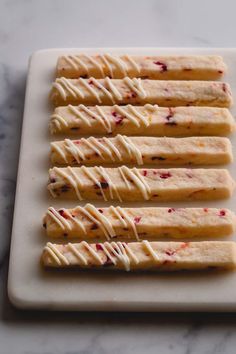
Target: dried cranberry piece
pixel 222 213
pixel 160 158
pixel 99 247
pixel 137 219
pixel 224 88
pixel 170 252
pixel 170 210
pixel 165 175
pixel 94 227
pixel 145 172
pixel 63 214
pixel 162 65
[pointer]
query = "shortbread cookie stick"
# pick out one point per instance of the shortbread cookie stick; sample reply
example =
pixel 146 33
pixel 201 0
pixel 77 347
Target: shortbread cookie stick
pixel 144 120
pixel 134 184
pixel 138 223
pixel 143 255
pixel 192 67
pixel 142 150
pixel 136 91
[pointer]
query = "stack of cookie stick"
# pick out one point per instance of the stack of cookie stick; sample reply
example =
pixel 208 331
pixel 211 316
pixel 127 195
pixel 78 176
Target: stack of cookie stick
pixel 116 116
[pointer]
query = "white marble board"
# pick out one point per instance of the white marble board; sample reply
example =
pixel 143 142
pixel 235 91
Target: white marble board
pixel 31 287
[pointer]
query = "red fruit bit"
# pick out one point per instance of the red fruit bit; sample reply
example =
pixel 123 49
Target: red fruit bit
pixel 63 214
pixel 100 211
pixel 144 172
pixel 90 82
pixel 118 118
pixel 165 175
pixel 77 142
pixel 220 71
pixel 170 115
pixel 99 247
pixel 131 95
pixel 104 185
pixel 222 213
pixel 162 65
pixel 224 88
pixel 137 219
pixel 205 209
pixel 94 227
pixel 184 245
pixel 170 210
pixel 170 252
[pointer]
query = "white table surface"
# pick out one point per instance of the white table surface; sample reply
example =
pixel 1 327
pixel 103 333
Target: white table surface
pixel 26 26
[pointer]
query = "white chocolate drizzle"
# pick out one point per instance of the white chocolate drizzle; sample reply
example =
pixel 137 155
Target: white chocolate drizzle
pixel 66 87
pixel 138 180
pixel 119 251
pixel 115 252
pixel 108 60
pixel 73 148
pixel 136 86
pixel 94 179
pixel 132 149
pixel 77 112
pixel 90 88
pixel 128 220
pixel 94 216
pixel 73 180
pixel 92 252
pixel 133 63
pixel 149 248
pixel 118 62
pixel 109 230
pixel 58 218
pixel 104 90
pixel 111 185
pixel 103 119
pixel 113 89
pixel 70 60
pixel 76 61
pixel 129 112
pixel 60 151
pixel 133 174
pixel 57 256
pixel 77 253
pixel 95 63
pixel 101 146
pixel 57 120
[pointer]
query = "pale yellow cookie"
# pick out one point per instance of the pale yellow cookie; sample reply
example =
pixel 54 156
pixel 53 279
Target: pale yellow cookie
pixel 138 223
pixel 142 150
pixel 192 67
pixel 145 120
pixel 138 92
pixel 125 184
pixel 145 255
